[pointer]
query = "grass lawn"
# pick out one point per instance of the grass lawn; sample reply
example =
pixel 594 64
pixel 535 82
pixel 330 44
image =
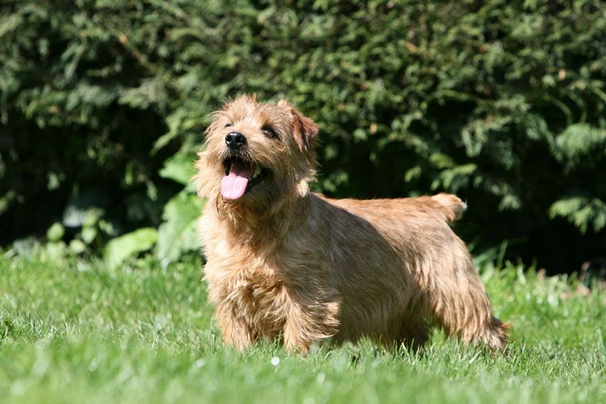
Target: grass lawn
pixel 74 331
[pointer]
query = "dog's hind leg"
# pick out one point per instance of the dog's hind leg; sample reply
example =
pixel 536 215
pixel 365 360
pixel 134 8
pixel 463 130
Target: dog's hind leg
pixel 460 305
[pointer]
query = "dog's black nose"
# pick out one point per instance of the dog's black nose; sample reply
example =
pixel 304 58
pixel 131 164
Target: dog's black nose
pixel 235 140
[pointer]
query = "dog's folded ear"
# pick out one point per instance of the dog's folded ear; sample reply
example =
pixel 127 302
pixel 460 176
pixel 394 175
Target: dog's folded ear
pixel 305 129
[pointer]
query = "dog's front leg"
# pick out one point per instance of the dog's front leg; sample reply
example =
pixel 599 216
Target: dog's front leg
pixel 309 323
pixel 297 337
pixel 234 330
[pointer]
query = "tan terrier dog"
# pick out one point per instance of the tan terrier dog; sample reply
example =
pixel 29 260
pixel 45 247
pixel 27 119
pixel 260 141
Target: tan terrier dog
pixel 283 262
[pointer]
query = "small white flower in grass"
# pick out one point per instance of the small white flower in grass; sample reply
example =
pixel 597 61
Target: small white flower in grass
pixel 199 363
pixel 275 361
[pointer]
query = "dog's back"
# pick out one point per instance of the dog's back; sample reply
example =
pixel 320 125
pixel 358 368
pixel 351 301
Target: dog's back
pixel 426 209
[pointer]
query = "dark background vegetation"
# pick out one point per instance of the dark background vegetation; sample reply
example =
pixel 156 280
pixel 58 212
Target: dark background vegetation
pixel 103 105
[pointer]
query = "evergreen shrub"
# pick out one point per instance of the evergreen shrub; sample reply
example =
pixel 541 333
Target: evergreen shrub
pixel 103 106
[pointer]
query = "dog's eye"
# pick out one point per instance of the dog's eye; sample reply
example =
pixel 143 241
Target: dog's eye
pixel 269 132
pixel 227 125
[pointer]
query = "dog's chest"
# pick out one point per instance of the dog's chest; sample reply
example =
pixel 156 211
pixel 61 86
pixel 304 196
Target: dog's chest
pixel 247 280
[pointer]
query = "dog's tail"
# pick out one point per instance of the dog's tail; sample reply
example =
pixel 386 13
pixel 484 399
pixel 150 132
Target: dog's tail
pixel 450 205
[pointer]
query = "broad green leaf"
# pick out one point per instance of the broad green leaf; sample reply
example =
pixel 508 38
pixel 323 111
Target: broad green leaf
pixel 55 232
pixel 123 247
pixel 178 168
pixel 88 234
pixel 77 246
pixel 177 234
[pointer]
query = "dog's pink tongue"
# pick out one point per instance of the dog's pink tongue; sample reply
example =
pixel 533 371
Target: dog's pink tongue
pixel 233 185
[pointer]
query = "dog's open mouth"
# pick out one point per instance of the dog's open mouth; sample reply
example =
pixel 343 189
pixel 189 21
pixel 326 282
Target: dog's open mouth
pixel 240 177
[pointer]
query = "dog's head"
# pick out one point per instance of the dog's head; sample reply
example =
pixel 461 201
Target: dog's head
pixel 256 153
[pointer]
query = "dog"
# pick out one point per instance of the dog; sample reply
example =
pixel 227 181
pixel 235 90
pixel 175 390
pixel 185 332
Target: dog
pixel 285 263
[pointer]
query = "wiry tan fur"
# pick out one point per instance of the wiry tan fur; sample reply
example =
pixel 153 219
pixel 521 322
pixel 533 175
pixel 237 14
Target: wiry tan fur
pixel 286 263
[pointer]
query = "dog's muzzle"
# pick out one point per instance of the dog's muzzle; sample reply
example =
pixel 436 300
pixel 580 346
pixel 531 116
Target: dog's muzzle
pixel 235 140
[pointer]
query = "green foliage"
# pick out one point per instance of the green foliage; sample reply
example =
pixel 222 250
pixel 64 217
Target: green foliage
pixel 502 103
pixel 177 234
pixel 581 211
pixel 76 331
pixel 120 248
pixel 581 146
